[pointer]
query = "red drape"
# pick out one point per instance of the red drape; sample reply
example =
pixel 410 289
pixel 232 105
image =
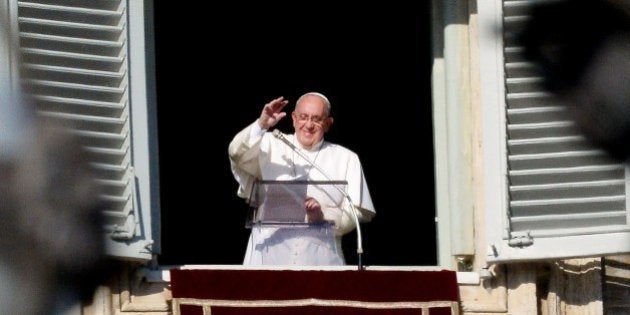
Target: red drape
pixel 282 292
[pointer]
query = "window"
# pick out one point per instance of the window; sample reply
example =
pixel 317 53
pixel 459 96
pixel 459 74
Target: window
pixel 241 74
pixel 85 62
pixel 549 193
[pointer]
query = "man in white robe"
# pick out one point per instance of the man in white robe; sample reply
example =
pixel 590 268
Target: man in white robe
pixel 256 154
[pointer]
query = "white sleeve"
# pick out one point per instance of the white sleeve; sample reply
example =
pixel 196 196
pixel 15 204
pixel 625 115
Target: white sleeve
pixel 255 133
pixel 243 151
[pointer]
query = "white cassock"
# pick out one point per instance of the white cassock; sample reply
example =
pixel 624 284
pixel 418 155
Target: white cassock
pixel 256 154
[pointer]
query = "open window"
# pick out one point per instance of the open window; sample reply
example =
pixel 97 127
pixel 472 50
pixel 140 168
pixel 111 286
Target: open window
pixel 85 63
pixel 549 192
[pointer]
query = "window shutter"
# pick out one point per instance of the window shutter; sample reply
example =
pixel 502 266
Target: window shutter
pixel 76 65
pixel 566 198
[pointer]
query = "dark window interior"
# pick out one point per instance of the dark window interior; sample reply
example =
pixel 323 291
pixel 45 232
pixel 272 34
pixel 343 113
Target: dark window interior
pixel 217 67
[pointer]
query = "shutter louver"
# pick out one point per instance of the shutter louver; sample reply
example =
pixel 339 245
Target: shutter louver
pixel 74 64
pixel 558 184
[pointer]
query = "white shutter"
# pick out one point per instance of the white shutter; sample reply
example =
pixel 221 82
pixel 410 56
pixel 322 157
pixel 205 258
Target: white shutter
pixel 76 64
pixel 565 198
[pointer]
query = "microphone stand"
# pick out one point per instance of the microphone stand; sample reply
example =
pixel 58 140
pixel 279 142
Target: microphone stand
pixel 280 136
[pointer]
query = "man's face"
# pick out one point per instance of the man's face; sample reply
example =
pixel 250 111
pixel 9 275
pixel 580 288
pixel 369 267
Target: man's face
pixel 310 121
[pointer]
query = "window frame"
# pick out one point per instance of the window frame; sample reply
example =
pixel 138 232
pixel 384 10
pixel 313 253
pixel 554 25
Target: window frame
pixel 496 197
pixel 144 243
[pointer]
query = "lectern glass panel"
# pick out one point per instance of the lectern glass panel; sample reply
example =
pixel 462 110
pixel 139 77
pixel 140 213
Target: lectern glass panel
pixel 281 203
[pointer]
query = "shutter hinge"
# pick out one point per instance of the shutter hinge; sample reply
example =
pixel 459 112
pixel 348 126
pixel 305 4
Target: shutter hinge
pixel 520 239
pixel 121 233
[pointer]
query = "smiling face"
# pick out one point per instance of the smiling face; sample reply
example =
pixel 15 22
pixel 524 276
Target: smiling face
pixel 311 120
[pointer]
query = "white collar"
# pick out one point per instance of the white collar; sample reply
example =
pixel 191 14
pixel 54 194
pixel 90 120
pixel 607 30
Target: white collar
pixel 315 147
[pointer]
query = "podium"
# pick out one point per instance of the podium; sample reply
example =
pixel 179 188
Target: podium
pixel 281 228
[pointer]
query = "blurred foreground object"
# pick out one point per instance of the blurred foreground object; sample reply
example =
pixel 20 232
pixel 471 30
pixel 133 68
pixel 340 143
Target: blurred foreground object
pixel 583 50
pixel 51 246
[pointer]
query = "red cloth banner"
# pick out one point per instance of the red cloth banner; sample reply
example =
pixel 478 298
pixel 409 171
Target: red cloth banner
pixel 279 292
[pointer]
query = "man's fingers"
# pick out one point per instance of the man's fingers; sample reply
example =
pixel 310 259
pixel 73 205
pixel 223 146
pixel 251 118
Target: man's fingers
pixel 272 113
pixel 275 106
pixel 311 204
pixel 278 104
pixel 275 116
pixel 279 115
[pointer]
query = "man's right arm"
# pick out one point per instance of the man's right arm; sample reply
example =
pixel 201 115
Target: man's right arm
pixel 244 149
pixel 243 152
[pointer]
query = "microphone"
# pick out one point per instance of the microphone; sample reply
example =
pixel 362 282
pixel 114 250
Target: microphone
pixel 276 133
pixel 279 135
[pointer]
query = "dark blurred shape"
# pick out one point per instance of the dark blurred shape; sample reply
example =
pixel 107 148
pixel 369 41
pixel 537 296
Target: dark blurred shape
pixel 52 253
pixel 51 245
pixel 583 50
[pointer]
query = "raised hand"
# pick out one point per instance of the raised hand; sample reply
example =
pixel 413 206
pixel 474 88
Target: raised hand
pixel 272 113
